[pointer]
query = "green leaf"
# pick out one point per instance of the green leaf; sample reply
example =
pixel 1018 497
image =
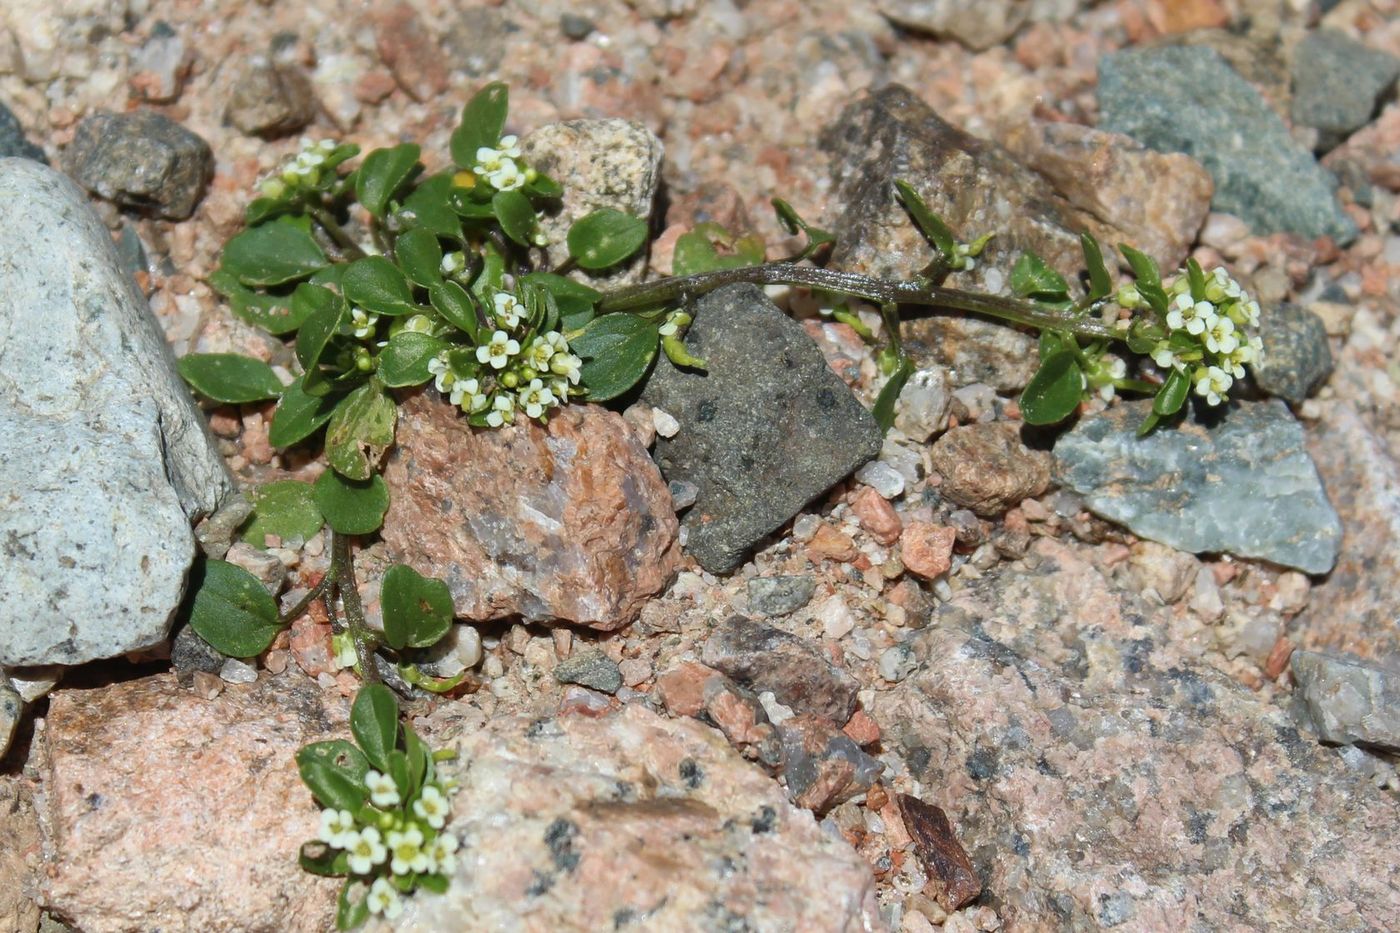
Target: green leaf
pixel 617 350
pixel 696 250
pixel 452 301
pixel 299 415
pixel 562 287
pixel 276 252
pixel 273 313
pixel 1056 341
pixel 483 119
pixel 263 209
pixel 376 284
pixel 1147 277
pixel 232 610
pixel 382 173
pixel 544 187
pixel 428 205
pixel 793 222
pixel 374 722
pixel 338 754
pixel 435 883
pixel 1172 395
pixel 231 378
pixel 471 204
pixel 1055 390
pixel 1144 335
pixel 1031 277
pixel 1197 277
pixel 1100 283
pixel 350 507
pixel 420 759
pixel 927 221
pixel 605 237
pixel 285 510
pixel 361 429
pixel 323 311
pixel 884 403
pixel 398 770
pixel 417 609
pixel 331 786
pixel 351 910
pixel 417 678
pixel 516 216
pixel 319 858
pixel 491 279
pixel 420 256
pixel 404 362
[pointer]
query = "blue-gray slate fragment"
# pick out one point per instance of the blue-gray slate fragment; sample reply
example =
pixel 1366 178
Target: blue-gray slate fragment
pixel 1244 485
pixel 1338 83
pixel 1187 99
pixel 13 142
pixel 768 428
pixel 1296 360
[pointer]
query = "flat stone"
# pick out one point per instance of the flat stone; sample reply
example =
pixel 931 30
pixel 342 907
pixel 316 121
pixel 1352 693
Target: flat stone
pixel 1187 99
pixel 1338 84
pixel 583 823
pixel 1101 773
pixel 270 100
pixel 778 596
pixel 95 557
pixel 939 851
pixel 592 669
pixel 571 522
pixel 1296 360
pixel 987 468
pixel 922 409
pixel 1244 485
pixel 767 429
pixel 143 780
pixel 822 765
pixel 1349 701
pixel 977 24
pixel 13 142
pixel 411 51
pixel 794 669
pixel 601 164
pixel 143 161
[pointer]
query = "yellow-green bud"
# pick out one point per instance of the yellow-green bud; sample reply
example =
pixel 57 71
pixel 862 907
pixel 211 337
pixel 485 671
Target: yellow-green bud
pixel 510 380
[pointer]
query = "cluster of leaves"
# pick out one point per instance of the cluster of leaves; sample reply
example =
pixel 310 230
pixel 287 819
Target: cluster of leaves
pixel 384 813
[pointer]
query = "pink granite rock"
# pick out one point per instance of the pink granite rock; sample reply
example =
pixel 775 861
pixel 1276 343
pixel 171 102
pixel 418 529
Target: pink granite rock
pixel 165 811
pixel 572 522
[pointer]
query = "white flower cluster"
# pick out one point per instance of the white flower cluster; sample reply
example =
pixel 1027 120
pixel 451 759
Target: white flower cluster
pixel 499 166
pixel 502 376
pixel 409 846
pixel 1219 344
pixel 303 171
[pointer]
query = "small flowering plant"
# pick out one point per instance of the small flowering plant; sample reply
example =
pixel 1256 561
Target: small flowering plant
pixel 383 825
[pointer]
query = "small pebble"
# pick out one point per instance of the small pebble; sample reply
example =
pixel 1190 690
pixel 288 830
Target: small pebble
pixel 590 669
pixel 235 671
pixel 635 671
pixel 665 423
pixel 883 478
pixel 805 526
pixel 683 493
pixel 897 663
pixel 836 618
pixel 777 596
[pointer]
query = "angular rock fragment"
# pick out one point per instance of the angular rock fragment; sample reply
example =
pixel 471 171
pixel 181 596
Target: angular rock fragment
pixel 938 849
pixel 986 467
pixel 1349 701
pixel 765 658
pixel 143 161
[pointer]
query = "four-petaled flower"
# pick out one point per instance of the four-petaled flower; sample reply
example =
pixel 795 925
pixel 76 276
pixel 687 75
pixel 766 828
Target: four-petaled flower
pixel 502 411
pixel 535 398
pixel 538 355
pixel 499 351
pixel 382 791
pixel 443 851
pixel 432 807
pixel 406 852
pixel 337 828
pixel 445 378
pixel 365 850
pixel 362 322
pixel 1220 336
pixel 1190 316
pixel 383 899
pixel 566 365
pixel 1212 383
pixel 508 310
pixel 464 389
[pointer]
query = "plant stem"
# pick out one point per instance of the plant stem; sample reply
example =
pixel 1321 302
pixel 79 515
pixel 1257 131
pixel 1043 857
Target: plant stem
pixel 294 613
pixel 880 291
pixel 336 231
pixel 343 567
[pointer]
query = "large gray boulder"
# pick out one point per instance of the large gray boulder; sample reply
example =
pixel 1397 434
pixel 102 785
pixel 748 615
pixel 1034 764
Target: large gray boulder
pixel 106 460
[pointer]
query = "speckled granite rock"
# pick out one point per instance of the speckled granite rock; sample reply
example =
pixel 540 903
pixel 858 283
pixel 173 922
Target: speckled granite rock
pixel 1349 701
pixel 20 856
pixel 166 811
pixel 1189 100
pixel 971 350
pixel 762 657
pixel 1245 485
pixel 600 163
pixel 1100 775
pixel 1297 359
pixel 107 460
pixel 977 24
pixel 570 522
pixel 143 161
pixel 1338 83
pixel 631 821
pixel 767 429
pixel 987 468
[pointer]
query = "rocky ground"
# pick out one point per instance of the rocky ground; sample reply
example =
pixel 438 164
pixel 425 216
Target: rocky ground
pixel 750 666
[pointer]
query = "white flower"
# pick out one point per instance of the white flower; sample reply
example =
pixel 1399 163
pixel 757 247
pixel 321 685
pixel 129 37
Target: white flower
pixel 538 355
pixel 419 324
pixel 508 177
pixel 382 790
pixel 499 351
pixel 510 148
pixel 362 322
pixel 1247 353
pixel 445 377
pixel 557 341
pixel 1221 286
pixel 452 263
pixel 1220 338
pixel 464 388
pixel 488 160
pixel 535 398
pixel 406 852
pixel 1250 309
pixel 344 648
pixel 502 411
pixel 508 310
pixel 442 852
pixel 365 850
pixel 566 365
pixel 431 807
pixel 1190 316
pixel 383 899
pixel 1165 358
pixel 337 828
pixel 1212 383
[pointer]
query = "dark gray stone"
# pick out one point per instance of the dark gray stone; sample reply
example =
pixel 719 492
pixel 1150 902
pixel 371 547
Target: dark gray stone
pixel 1349 701
pixel 822 765
pixel 592 669
pixel 794 669
pixel 1338 84
pixel 777 596
pixel 270 100
pixel 1296 359
pixel 767 429
pixel 576 27
pixel 1244 484
pixel 1178 99
pixel 142 161
pixel 13 141
pixel 190 653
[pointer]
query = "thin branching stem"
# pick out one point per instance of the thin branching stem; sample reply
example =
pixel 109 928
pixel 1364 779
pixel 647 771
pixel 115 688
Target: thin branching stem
pixel 294 613
pixel 336 232
pixel 343 568
pixel 880 291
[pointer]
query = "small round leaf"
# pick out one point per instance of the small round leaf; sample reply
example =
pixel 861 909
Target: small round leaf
pixel 284 510
pixel 605 237
pixel 232 610
pixel 351 507
pixel 417 609
pixel 231 378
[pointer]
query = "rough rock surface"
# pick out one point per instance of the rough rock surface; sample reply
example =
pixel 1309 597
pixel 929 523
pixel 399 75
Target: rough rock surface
pixel 108 459
pixel 768 428
pixel 600 163
pixel 1110 778
pixel 1296 359
pixel 20 854
pixel 1338 83
pixel 971 350
pixel 1347 701
pixel 1177 99
pixel 1244 485
pixel 762 657
pixel 631 821
pixel 13 142
pixel 570 522
pixel 977 24
pixel 986 467
pixel 143 161
pixel 166 811
pixel 270 100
